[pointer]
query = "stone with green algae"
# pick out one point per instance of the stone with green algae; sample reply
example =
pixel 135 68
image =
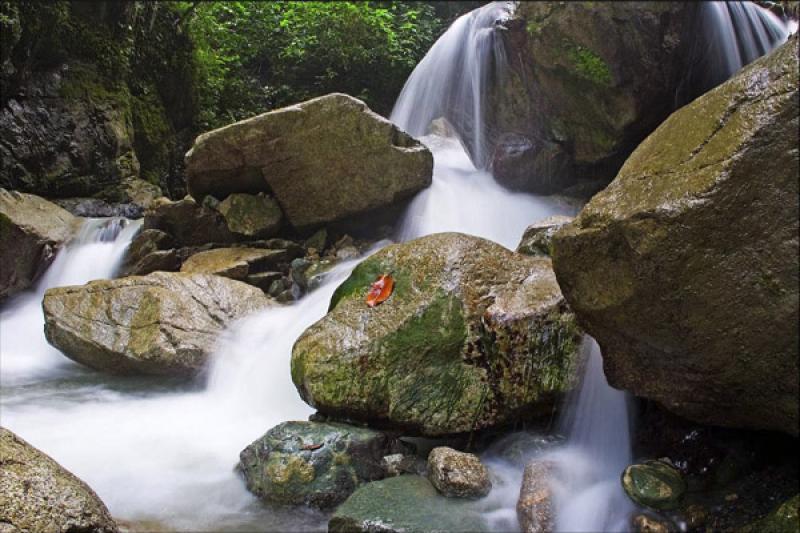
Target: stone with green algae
pixel 472 336
pixel 654 484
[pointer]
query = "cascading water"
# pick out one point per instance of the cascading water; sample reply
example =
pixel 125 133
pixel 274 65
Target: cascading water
pixel 449 83
pixel 733 34
pixel 587 492
pixel 94 254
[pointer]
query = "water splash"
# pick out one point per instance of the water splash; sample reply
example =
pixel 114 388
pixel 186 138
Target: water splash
pixel 95 253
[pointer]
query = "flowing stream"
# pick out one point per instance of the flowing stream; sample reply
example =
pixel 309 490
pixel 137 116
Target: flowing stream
pixel 161 455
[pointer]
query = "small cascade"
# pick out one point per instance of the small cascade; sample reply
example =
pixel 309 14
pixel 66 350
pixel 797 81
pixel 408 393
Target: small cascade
pixel 588 493
pixel 450 80
pixel 449 83
pixel 731 35
pixel 95 253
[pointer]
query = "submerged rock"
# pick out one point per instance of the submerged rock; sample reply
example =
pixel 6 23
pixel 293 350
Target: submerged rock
pixel 538 237
pixel 31 231
pixel 325 160
pixel 654 484
pixel 38 494
pixel 163 323
pixel 685 268
pixel 535 504
pixel 457 474
pixel 472 336
pixel 314 463
pixel 404 504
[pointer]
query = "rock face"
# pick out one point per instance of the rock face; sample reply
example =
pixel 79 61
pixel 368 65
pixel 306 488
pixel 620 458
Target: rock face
pixel 472 336
pixel 538 237
pixel 535 504
pixel 585 83
pixel 324 160
pixel 38 494
pixel 457 474
pixel 163 323
pixel 404 504
pixel 685 268
pixel 313 463
pixel 31 229
pixel 654 484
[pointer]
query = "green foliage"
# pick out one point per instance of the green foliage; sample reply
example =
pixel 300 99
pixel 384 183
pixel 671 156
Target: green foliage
pixel 255 56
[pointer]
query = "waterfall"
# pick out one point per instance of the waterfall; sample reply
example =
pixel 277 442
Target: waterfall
pixel 94 253
pixel 587 492
pixel 449 83
pixel 450 80
pixel 733 34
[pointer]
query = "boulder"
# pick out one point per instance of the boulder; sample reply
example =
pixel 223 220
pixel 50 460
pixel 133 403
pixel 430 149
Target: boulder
pixel 457 474
pixel 314 463
pixel 538 237
pixel 31 230
pixel 654 484
pixel 535 510
pixel 407 504
pixel 585 82
pixel 150 250
pixel 189 223
pixel 253 216
pixel 472 336
pixel 163 323
pixel 234 263
pixel 685 268
pixel 324 160
pixel 38 494
pixel 783 519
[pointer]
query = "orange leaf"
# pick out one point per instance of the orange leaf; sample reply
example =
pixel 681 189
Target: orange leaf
pixel 380 290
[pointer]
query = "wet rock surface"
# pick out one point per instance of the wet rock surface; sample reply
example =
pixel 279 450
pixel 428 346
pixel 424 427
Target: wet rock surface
pixel 38 494
pixel 685 268
pixel 472 336
pixel 163 323
pixel 31 231
pixel 457 474
pixel 314 463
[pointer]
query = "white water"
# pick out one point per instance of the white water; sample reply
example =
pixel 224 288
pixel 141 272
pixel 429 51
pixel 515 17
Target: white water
pixel 739 33
pixel 587 492
pixel 163 457
pixel 94 254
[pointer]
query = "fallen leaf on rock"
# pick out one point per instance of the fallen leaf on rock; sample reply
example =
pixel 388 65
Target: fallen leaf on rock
pixel 381 290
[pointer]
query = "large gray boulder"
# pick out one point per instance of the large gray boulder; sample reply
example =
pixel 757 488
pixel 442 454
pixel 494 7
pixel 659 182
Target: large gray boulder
pixel 38 494
pixel 685 268
pixel 473 336
pixel 31 230
pixel 324 160
pixel 164 323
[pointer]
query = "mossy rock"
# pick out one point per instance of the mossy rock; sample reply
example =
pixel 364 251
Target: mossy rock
pixel 314 463
pixel 404 504
pixel 654 484
pixel 472 336
pixel 685 267
pixel 784 519
pixel 256 216
pixel 538 237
